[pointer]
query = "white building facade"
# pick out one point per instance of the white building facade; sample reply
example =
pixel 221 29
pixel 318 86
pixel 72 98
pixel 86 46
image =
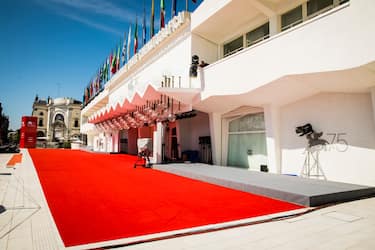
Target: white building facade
pixel 273 66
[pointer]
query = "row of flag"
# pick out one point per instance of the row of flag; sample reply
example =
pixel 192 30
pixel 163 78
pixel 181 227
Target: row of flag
pixel 121 54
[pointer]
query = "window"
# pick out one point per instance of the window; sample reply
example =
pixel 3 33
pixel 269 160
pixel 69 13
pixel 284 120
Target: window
pixel 41 114
pixel 316 6
pixel 257 35
pixel 59 117
pixel 40 123
pixel 40 134
pixel 251 122
pixel 76 123
pixel 291 18
pixel 233 46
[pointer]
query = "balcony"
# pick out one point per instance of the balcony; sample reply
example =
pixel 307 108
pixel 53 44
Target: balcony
pixel 326 53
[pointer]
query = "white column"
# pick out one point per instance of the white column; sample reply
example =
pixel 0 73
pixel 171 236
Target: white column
pixel 110 142
pixel 67 121
pixel 272 123
pixel 102 143
pixel 157 142
pixel 216 137
pixel 90 140
pixel 49 121
pixel 115 141
pixel 304 11
pixel 274 25
pixel 373 102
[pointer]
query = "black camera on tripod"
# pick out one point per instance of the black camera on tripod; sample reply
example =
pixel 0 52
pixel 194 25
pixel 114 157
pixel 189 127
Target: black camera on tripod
pixel 194 66
pixel 304 130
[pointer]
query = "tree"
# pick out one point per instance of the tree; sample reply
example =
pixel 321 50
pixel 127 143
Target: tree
pixel 4 126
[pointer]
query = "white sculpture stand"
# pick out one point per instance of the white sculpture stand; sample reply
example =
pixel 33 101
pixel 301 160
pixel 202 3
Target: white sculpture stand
pixel 311 166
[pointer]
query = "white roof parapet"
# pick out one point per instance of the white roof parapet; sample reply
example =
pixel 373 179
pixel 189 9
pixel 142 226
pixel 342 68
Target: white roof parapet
pixel 175 23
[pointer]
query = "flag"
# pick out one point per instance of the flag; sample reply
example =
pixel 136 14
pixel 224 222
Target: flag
pixel 123 53
pixel 107 69
pixel 144 25
pixel 100 78
pixel 113 62
pixel 91 90
pixel 109 66
pixel 96 87
pixel 98 82
pixel 101 74
pixel 129 37
pixel 152 31
pixel 118 57
pixel 162 14
pixel 136 37
pixel 104 78
pixel 110 62
pixel 174 8
pixel 86 95
pixel 187 3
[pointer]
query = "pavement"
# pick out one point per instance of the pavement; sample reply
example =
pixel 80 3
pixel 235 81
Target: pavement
pixel 27 223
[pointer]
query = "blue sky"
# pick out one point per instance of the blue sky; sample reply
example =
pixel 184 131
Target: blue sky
pixel 54 47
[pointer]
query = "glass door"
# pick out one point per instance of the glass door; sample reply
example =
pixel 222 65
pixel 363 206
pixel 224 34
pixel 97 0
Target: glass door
pixel 247 142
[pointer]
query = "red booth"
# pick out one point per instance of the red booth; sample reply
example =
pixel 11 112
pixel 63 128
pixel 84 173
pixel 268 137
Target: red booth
pixel 28 132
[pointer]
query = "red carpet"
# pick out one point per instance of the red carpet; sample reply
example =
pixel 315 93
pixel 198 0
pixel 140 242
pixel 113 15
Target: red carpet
pixel 98 197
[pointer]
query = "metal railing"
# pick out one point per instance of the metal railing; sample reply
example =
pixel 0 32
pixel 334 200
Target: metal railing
pixel 250 43
pixel 292 24
pixel 233 51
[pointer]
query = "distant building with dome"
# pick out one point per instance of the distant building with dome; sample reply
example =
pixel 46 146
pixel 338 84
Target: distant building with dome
pixel 58 119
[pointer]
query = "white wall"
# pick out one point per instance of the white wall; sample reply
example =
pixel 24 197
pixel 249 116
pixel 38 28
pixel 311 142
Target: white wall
pixel 348 116
pixel 373 101
pixel 191 129
pixel 206 50
pixel 103 142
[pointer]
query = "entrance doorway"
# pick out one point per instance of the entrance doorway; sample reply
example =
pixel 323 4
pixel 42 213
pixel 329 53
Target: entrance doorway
pixel 247 142
pixel 123 142
pixel 170 145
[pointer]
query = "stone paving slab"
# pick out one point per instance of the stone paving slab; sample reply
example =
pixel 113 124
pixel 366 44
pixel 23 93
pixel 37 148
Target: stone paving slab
pixel 27 222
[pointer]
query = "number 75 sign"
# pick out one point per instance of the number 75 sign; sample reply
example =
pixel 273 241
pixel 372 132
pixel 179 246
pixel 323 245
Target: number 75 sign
pixel 338 142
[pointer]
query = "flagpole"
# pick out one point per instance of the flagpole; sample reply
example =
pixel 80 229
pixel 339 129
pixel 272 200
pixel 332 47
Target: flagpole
pixel 187 2
pixel 172 9
pixel 152 31
pixel 144 30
